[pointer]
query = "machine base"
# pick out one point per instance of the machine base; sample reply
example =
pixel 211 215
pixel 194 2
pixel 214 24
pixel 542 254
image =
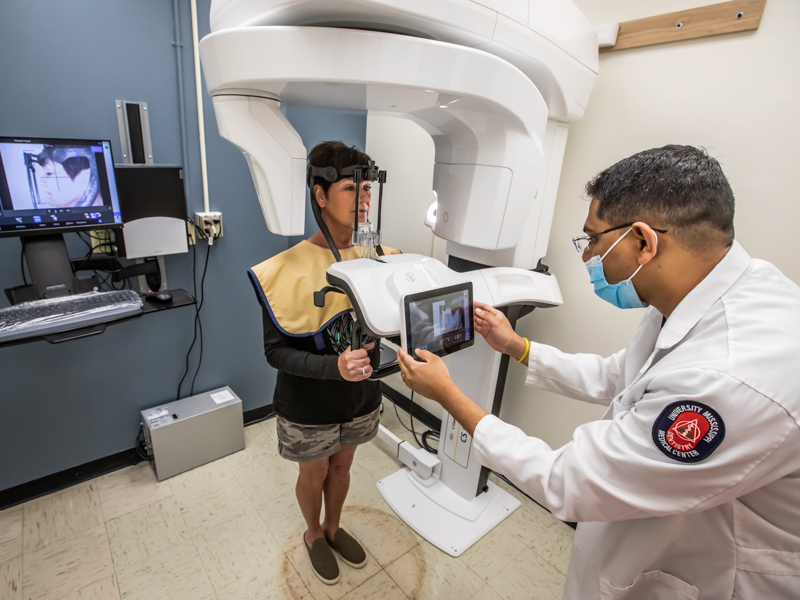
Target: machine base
pixel 441 516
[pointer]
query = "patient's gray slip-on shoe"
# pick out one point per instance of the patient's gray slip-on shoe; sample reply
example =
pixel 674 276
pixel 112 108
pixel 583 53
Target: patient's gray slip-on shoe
pixel 323 561
pixel 348 549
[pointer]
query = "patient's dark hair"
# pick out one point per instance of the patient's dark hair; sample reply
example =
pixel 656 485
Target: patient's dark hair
pixel 72 166
pixel 333 154
pixel 678 188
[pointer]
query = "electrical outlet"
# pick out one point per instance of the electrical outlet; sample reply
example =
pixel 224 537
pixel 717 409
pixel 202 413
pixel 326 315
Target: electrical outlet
pixel 191 233
pixel 210 223
pixel 102 241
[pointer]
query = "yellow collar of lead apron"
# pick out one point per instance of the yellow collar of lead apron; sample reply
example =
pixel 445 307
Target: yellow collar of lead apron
pixel 288 281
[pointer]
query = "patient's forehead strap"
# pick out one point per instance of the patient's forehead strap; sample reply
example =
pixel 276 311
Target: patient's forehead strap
pixel 368 172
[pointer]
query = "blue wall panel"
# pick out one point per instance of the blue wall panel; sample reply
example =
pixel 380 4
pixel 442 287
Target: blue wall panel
pixel 63 64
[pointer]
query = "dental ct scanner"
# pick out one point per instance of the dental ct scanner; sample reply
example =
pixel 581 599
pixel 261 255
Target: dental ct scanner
pixel 495 83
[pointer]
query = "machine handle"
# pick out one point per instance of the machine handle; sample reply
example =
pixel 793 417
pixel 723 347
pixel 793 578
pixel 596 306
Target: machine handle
pixel 319 296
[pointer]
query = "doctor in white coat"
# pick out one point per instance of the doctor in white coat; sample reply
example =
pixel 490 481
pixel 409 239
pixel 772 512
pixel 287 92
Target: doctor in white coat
pixel 689 487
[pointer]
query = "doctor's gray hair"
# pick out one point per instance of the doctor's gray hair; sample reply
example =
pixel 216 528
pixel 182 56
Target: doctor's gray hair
pixel 678 188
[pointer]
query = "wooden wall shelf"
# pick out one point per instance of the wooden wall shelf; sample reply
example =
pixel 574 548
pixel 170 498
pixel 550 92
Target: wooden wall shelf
pixel 704 21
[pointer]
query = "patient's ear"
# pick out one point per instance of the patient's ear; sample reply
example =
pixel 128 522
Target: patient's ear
pixel 319 196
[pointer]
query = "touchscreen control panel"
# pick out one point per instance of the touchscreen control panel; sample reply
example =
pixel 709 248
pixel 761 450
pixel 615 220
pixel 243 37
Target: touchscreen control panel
pixel 439 320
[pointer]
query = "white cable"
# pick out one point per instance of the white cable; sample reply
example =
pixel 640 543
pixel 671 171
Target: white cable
pixel 199 92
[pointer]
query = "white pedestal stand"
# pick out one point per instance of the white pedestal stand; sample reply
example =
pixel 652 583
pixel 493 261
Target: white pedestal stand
pixel 456 509
pixel 441 516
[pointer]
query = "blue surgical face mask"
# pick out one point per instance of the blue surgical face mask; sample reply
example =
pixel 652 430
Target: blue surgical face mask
pixel 622 294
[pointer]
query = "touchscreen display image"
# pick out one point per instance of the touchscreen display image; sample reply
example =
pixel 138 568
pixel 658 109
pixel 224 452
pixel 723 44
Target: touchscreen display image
pixel 441 323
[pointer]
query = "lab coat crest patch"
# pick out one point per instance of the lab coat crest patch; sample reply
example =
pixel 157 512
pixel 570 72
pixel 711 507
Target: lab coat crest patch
pixel 688 431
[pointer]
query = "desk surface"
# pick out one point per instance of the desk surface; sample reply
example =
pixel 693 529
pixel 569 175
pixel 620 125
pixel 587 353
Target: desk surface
pixel 179 298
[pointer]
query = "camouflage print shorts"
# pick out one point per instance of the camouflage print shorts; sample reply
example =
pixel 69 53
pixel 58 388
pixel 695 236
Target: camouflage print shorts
pixel 304 443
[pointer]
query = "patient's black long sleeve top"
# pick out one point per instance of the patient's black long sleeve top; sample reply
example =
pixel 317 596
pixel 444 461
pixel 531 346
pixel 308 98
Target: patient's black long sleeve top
pixel 309 388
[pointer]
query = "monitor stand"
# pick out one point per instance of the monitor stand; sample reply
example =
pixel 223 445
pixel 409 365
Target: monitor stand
pixel 50 269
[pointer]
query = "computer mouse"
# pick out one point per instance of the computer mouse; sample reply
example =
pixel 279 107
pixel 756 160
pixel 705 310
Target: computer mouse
pixel 162 296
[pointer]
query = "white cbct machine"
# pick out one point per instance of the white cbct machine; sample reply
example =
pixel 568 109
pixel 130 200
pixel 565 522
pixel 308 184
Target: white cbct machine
pixel 495 83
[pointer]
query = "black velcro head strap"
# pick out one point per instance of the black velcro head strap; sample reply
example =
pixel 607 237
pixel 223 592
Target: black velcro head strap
pixel 330 174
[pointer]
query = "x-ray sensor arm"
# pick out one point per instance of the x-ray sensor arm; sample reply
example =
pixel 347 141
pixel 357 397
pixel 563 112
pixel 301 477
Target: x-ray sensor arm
pixel 488 137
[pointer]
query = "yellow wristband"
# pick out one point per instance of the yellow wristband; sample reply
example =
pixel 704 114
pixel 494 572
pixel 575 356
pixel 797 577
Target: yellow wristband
pixel 527 347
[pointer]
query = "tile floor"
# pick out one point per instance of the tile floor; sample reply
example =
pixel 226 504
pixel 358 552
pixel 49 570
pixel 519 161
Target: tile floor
pixel 231 530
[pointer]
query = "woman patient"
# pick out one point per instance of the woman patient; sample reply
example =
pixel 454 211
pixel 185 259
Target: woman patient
pixel 326 405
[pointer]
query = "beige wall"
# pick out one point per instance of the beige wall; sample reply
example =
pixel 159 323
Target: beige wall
pixel 737 95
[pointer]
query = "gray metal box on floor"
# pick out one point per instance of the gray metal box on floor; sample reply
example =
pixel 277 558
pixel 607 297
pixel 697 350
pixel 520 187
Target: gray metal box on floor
pixel 187 433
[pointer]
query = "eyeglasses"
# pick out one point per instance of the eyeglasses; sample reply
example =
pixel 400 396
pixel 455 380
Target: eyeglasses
pixel 584 242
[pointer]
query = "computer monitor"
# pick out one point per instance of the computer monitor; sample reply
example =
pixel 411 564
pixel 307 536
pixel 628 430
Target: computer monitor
pixel 49 187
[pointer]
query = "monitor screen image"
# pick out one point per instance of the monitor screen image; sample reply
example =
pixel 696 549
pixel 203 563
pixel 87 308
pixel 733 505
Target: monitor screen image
pixel 439 321
pixel 53 185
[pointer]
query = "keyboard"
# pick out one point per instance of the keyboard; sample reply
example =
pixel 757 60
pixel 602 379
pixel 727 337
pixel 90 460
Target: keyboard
pixel 55 315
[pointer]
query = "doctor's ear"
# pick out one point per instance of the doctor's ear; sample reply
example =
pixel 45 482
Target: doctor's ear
pixel 648 241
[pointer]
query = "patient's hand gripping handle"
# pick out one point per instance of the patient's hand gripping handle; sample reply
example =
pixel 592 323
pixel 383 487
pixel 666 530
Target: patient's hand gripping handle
pixel 374 354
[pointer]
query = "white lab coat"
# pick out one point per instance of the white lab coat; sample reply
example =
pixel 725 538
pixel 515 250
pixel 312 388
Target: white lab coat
pixel 652 526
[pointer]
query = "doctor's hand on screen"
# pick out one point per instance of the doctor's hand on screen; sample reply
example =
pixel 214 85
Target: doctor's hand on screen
pixel 429 378
pixel 495 328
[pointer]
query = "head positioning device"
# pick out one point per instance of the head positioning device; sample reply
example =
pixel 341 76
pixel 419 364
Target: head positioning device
pixel 368 172
pixel 364 236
